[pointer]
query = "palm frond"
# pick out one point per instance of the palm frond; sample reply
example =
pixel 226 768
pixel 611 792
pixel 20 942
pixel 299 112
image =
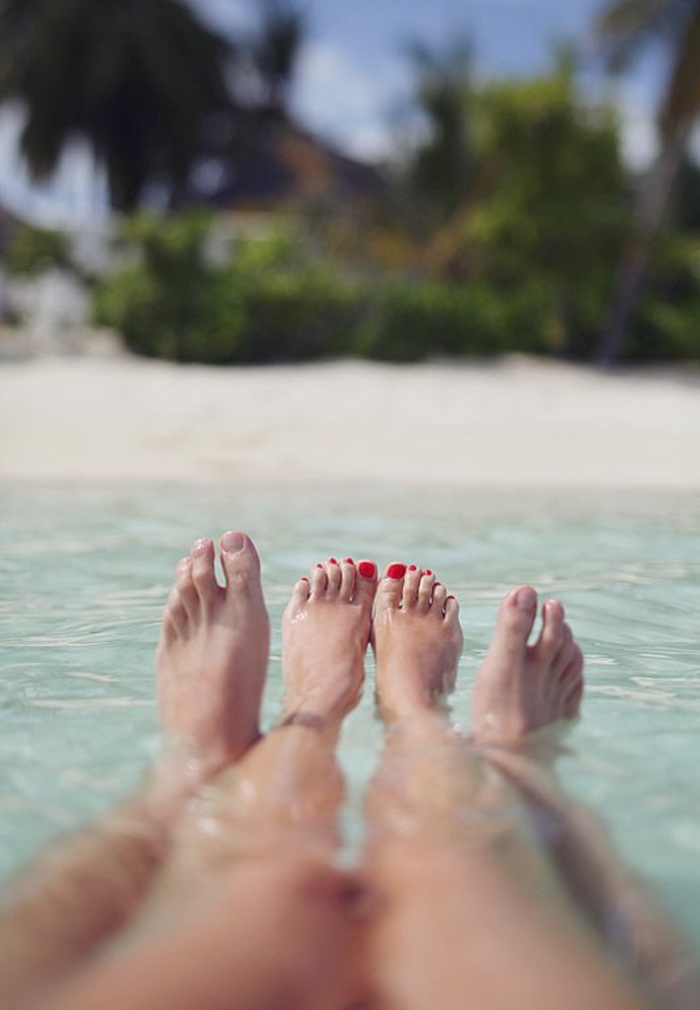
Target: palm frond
pixel 681 105
pixel 627 27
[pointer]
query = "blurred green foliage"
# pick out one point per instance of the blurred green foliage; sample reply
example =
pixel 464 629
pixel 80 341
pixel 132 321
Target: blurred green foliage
pixel 522 257
pixel 32 251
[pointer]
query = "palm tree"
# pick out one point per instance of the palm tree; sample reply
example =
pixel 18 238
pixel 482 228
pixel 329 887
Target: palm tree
pixel 625 29
pixel 140 80
pixel 441 167
pixel 275 54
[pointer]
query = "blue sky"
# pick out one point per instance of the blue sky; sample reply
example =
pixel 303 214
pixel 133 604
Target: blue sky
pixel 353 77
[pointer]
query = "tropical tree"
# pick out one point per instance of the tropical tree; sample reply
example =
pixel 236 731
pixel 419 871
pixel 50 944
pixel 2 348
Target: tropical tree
pixel 440 169
pixel 140 80
pixel 275 54
pixel 625 30
pixel 552 207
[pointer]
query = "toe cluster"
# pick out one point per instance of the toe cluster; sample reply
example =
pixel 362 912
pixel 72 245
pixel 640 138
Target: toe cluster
pixel 347 581
pixel 402 587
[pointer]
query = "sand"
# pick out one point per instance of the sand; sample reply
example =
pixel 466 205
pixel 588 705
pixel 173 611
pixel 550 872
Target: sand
pixel 518 423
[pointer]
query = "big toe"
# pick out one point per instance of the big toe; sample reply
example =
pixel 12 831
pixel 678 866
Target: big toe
pixel 365 583
pixel 390 589
pixel 514 624
pixel 241 564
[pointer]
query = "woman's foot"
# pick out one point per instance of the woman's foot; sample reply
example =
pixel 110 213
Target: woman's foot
pixel 523 688
pixel 417 640
pixel 325 630
pixel 213 652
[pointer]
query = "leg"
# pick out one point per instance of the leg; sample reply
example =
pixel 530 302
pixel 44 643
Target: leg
pixel 519 695
pixel 212 660
pixel 286 792
pixel 471 903
pixel 249 911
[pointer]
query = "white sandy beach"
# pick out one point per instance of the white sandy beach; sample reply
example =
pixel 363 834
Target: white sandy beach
pixel 519 423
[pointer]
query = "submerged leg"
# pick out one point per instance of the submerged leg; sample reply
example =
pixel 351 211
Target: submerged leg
pixel 250 892
pixel 471 903
pixel 520 693
pixel 212 660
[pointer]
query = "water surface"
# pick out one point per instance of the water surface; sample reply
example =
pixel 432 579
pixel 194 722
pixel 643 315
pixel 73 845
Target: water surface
pixel 84 572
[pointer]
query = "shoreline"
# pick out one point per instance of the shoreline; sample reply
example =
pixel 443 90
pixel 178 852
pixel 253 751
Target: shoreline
pixel 517 423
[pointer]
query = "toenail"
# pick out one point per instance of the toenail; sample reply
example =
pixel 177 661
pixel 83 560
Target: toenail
pixel 367 569
pixel 232 543
pixel 202 546
pixel 437 584
pixel 526 599
pixel 396 571
pixel 427 572
pixel 349 561
pixel 413 568
pixel 319 565
pixel 451 598
pixel 303 579
pixel 332 561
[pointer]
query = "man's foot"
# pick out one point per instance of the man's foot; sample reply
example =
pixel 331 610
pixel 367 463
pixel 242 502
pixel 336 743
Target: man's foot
pixel 325 630
pixel 523 688
pixel 213 652
pixel 417 640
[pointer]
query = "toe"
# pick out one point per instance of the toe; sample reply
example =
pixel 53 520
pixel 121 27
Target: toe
pixel 240 562
pixel 301 592
pixel 175 617
pixel 335 577
pixel 185 588
pixel 169 630
pixel 572 702
pixel 348 576
pixel 552 634
pixel 410 587
pixel 573 670
pixel 319 581
pixel 203 574
pixel 439 597
pixel 425 590
pixel 572 684
pixel 514 623
pixel 452 610
pixel 391 587
pixel 564 653
pixel 365 583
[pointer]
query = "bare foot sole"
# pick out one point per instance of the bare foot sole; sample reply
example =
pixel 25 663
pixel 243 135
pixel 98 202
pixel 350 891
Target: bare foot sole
pixel 523 688
pixel 325 630
pixel 213 652
pixel 417 640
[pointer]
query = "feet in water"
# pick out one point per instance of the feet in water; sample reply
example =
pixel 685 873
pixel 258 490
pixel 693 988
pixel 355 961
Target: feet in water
pixel 417 641
pixel 325 631
pixel 213 652
pixel 523 688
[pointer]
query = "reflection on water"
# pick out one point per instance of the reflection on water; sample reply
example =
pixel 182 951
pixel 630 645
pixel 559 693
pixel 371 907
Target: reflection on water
pixel 84 574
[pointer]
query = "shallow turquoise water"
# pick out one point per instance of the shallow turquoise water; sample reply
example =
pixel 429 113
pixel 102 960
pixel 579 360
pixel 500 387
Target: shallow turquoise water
pixel 84 573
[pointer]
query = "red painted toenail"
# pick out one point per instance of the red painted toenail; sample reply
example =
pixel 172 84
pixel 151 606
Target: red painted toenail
pixel 437 584
pixel 303 579
pixel 396 571
pixel 319 565
pixel 367 569
pixel 451 598
pixel 427 572
pixel 413 568
pixel 332 561
pixel 349 561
